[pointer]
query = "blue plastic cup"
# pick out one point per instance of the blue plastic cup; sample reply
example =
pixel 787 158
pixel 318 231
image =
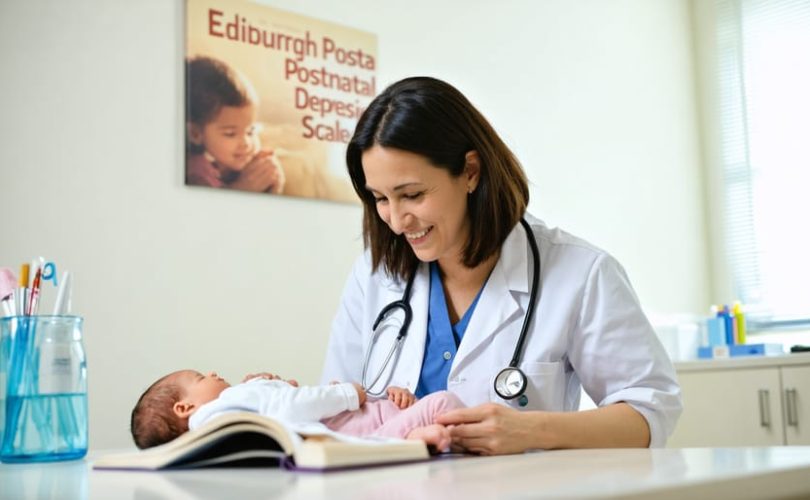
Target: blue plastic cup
pixel 44 394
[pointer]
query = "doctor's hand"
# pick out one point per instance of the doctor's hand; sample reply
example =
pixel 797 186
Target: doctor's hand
pixel 490 429
pixel 401 397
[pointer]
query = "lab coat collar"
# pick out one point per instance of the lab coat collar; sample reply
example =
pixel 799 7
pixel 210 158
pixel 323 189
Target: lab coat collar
pixel 515 260
pixel 499 302
pixel 512 265
pixel 395 284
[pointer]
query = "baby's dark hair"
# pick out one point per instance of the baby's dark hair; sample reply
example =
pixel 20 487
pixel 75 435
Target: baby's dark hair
pixel 210 85
pixel 153 419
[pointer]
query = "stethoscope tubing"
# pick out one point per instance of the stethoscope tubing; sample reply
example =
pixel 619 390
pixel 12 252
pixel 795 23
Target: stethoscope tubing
pixel 394 347
pixel 535 290
pixel 404 304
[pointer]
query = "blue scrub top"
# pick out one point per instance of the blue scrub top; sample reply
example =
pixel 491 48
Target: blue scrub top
pixel 443 338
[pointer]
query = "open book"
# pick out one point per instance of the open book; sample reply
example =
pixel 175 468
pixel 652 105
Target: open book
pixel 244 438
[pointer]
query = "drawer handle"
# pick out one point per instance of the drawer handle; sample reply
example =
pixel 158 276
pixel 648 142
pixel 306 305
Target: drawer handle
pixel 764 408
pixel 792 413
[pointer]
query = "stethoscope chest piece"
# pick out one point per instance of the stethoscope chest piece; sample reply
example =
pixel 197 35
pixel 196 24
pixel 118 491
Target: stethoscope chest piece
pixel 510 383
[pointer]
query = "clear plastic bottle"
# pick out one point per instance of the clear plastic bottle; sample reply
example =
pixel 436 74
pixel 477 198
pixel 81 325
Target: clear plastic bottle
pixel 46 381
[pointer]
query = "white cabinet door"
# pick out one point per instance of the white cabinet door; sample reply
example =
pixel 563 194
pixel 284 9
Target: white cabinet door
pixel 740 407
pixel 796 398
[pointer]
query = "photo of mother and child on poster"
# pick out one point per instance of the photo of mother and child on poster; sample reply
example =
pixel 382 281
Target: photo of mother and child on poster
pixel 272 98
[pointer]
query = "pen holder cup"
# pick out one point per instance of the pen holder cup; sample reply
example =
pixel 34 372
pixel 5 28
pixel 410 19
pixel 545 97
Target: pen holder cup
pixel 43 389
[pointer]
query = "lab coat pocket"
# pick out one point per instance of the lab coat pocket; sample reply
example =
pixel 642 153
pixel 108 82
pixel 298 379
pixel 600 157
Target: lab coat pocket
pixel 545 389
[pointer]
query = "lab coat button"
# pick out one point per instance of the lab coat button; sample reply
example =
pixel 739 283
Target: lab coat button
pixel 447 355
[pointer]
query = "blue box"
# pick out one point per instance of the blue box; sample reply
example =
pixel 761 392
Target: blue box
pixel 733 351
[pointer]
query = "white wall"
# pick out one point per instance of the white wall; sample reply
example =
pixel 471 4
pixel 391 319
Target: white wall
pixel 596 98
pixel 704 25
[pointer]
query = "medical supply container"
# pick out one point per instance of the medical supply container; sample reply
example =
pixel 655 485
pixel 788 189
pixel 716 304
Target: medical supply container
pixel 43 389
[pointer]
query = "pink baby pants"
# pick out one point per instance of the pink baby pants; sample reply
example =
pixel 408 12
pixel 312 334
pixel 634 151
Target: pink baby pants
pixel 383 418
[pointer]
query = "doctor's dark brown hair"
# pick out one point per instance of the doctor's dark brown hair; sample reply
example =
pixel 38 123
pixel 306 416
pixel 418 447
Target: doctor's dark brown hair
pixel 433 119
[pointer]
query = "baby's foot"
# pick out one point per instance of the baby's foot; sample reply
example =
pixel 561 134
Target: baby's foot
pixel 435 435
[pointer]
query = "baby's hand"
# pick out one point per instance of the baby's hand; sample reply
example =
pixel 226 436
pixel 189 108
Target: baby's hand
pixel 361 393
pixel 401 397
pixel 264 375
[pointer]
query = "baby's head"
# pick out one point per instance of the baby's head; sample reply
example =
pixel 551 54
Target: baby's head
pixel 162 411
pixel 222 113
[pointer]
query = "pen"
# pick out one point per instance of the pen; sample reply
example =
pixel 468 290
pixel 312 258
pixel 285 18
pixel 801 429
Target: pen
pixel 34 302
pixel 62 304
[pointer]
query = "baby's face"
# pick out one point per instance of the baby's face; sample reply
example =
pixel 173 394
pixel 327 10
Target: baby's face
pixel 200 389
pixel 232 137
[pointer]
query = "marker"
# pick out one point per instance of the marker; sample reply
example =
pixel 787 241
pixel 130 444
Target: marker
pixel 25 270
pixel 22 290
pixel 740 319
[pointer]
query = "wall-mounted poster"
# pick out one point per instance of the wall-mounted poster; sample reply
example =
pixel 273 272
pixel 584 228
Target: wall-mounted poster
pixel 272 99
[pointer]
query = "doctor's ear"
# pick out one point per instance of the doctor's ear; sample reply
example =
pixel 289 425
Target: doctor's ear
pixel 472 170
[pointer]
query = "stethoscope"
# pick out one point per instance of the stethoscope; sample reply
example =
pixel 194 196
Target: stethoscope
pixel 510 383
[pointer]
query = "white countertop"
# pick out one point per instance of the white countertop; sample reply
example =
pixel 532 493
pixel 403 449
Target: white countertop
pixel 798 358
pixel 739 473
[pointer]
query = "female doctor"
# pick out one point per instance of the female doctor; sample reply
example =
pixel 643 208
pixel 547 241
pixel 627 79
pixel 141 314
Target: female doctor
pixel 460 289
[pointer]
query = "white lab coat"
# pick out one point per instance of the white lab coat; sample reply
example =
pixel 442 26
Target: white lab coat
pixel 588 329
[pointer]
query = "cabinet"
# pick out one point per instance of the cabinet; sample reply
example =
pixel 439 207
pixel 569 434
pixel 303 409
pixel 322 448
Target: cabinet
pixel 796 393
pixel 744 402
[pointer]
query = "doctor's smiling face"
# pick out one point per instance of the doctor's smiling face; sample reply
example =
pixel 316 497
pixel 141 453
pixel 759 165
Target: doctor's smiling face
pixel 435 180
pixel 421 201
